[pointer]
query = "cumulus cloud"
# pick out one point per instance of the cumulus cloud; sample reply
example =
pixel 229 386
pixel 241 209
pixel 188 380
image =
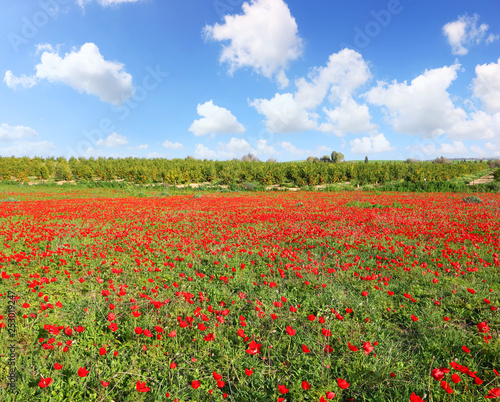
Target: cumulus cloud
pixel 343 74
pixel 113 140
pixel 203 152
pixel 235 148
pixel 486 85
pixel 431 149
pixel 172 145
pixel 84 70
pixel 371 145
pixel 423 107
pixel 26 81
pixel 284 114
pixel 13 133
pixel 263 148
pixel 478 125
pixel 464 32
pixel 348 117
pixel 265 38
pixel 215 120
pixel 27 148
pixel 142 146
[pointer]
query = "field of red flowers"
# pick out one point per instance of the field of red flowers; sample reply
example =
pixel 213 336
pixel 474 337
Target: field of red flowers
pixel 251 297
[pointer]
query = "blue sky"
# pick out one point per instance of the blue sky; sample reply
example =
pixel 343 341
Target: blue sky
pixel 217 79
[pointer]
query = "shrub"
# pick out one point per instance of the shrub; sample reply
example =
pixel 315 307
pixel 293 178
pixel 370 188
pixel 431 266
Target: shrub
pixel 472 200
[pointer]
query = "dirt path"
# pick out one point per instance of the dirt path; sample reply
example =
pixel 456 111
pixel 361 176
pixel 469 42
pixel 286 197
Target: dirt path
pixel 485 179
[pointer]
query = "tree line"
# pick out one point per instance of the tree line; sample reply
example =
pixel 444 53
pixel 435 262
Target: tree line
pixel 190 170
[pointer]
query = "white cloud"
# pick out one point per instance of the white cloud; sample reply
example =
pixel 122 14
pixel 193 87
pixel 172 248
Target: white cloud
pixel 478 125
pixel 84 70
pixel 424 107
pixel 263 148
pixel 154 155
pixel 236 146
pixel 264 38
pixel 113 140
pixel 349 117
pixel 456 148
pixel 30 149
pixel 371 145
pixel 486 85
pixel 12 133
pixel 465 32
pixel 492 38
pixel 142 146
pixel 172 145
pixel 343 74
pixel 203 152
pixel 293 150
pixel 26 81
pixel 283 114
pixel 215 120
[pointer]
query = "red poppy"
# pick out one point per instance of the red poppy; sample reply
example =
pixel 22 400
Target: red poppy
pixel 305 349
pixel 342 383
pixel 306 385
pixel 446 387
pixel 290 331
pixel 141 386
pixel 195 384
pixel 104 383
pixel 282 389
pixel 83 372
pixel 248 372
pixel 45 382
pixel 415 398
pixel 352 347
pixel 367 347
pixel 58 366
pixel 253 348
pixel 494 393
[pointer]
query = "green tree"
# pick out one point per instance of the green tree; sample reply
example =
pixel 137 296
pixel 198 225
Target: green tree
pixel 366 159
pixel 337 157
pixel 44 172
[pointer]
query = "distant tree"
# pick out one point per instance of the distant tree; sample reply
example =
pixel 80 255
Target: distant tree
pixel 44 172
pixel 250 158
pixel 411 160
pixel 62 171
pixel 366 159
pixel 492 164
pixel 325 159
pixel 189 157
pixel 442 160
pixel 337 157
pixel 272 160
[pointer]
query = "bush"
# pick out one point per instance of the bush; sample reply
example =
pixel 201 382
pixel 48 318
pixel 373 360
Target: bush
pixel 496 175
pixel 441 161
pixel 493 164
pixel 472 200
